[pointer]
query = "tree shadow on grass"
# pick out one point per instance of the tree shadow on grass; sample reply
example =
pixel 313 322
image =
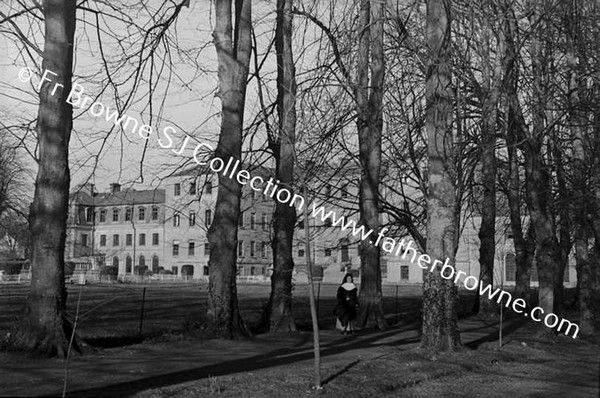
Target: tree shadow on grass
pixel 278 357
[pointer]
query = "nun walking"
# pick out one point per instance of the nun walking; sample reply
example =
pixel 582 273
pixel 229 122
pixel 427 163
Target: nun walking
pixel 347 304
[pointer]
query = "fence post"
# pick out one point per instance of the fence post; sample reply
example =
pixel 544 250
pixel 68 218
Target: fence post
pixel 142 310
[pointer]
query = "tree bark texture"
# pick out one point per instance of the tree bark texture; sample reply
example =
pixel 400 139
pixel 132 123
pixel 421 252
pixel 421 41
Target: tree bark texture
pixel 440 296
pixel 279 312
pixel 233 45
pixel 369 98
pixel 45 328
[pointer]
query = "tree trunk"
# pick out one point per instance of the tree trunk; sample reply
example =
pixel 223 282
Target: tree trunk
pixel 279 311
pixel 576 58
pixel 564 242
pixel 440 296
pixel 536 176
pixel 45 329
pixel 369 98
pixel 515 133
pixel 233 54
pixel 487 230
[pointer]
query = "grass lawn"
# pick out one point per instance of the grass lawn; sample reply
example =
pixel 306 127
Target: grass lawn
pixel 171 357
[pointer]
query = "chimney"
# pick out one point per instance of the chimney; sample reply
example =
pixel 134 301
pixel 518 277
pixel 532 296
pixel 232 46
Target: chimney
pixel 87 188
pixel 115 187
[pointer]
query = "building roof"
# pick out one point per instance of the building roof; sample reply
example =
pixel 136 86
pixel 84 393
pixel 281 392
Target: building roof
pixel 124 197
pixel 254 170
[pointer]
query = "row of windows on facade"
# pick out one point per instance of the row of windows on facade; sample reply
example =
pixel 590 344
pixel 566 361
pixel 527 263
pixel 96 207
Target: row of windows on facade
pixel 116 240
pixel 116 212
pixel 141 263
pixel 208 189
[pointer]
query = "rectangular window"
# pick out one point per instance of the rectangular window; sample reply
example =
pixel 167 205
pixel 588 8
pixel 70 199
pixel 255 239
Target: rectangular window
pixel 241 220
pixel 264 220
pixel 206 249
pixel 115 214
pixel 174 270
pixel 89 214
pixel 102 240
pixel 252 248
pixel 192 218
pixel 208 189
pixel 328 190
pixel 300 250
pixel 193 187
pixel 176 248
pixel 301 224
pixel 154 213
pixel 142 213
pixel 103 215
pixel 263 250
pixel 142 239
pixel 154 239
pixel 404 272
pixel 84 240
pixel 345 253
pixel 252 194
pixel 191 248
pixel 115 240
pixel 176 219
pixel 128 213
pixel 128 240
pixel 177 189
pixel 327 249
pixel 241 248
pixel 252 221
pixel 207 217
pixel 327 222
pixel 345 191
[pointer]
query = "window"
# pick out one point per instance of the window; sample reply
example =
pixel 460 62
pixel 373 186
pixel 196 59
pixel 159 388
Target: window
pixel 328 190
pixel 205 271
pixel 345 252
pixel 128 213
pixel 84 240
pixel 177 189
pixel 264 220
pixel 208 217
pixel 208 189
pixel 142 239
pixel 141 213
pixel 327 249
pixel 252 271
pixel 89 214
pixel 154 264
pixel 300 251
pixel 193 187
pixel 345 191
pixel 192 218
pixel 263 250
pixel 241 220
pixel 327 222
pixel 206 248
pixel 252 221
pixel 176 219
pixel 142 262
pixel 103 215
pixel 128 240
pixel 241 248
pixel 115 262
pixel 404 272
pixel 128 265
pixel 154 213
pixel 115 240
pixel 252 194
pixel 102 240
pixel 176 248
pixel 301 224
pixel 174 270
pixel 154 239
pixel 510 268
pixel 191 248
pixel 115 214
pixel 252 248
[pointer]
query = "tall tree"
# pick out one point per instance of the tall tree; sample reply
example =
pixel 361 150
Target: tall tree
pixel 279 311
pixel 369 99
pixel 45 328
pixel 440 295
pixel 233 42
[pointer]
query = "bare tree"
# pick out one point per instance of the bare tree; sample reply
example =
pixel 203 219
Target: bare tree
pixel 279 312
pixel 233 42
pixel 440 295
pixel 45 328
